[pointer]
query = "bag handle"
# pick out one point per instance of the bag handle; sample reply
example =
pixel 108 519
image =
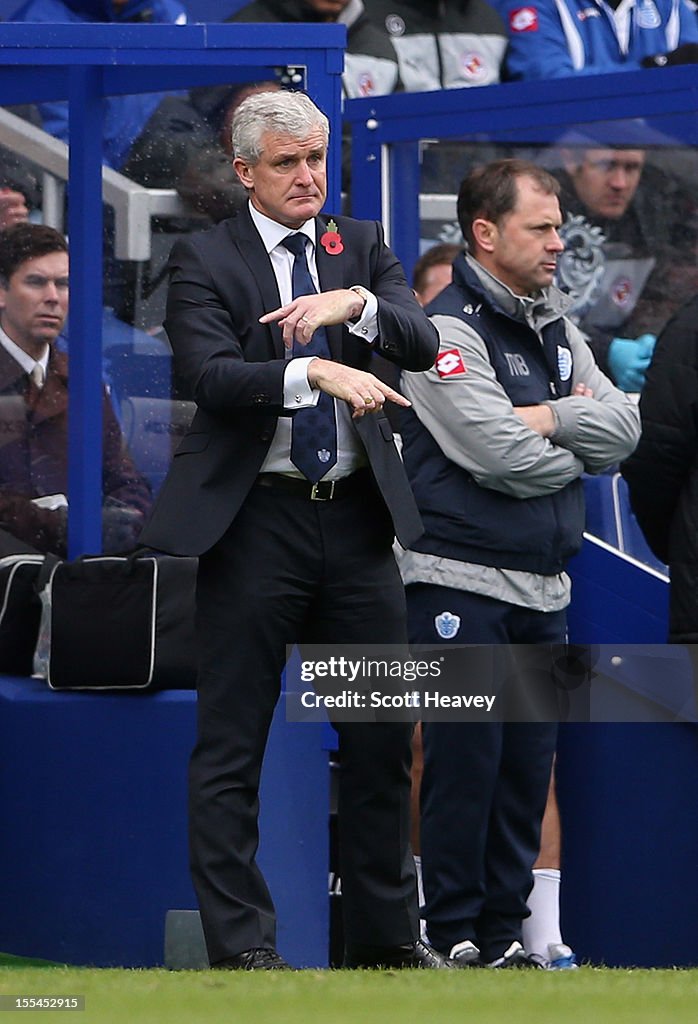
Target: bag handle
pixel 51 562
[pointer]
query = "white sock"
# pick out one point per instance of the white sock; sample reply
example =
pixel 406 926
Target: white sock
pixel 420 896
pixel 543 926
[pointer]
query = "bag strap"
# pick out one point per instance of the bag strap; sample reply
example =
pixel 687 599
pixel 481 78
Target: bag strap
pixel 44 575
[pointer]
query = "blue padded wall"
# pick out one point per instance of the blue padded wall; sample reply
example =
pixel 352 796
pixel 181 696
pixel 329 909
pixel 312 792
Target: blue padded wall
pixel 93 850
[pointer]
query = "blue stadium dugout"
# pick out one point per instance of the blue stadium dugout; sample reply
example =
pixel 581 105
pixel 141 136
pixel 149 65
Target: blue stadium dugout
pixel 94 783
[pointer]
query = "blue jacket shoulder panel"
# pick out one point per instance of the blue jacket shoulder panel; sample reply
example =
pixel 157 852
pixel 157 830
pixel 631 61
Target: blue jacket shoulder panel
pixel 554 38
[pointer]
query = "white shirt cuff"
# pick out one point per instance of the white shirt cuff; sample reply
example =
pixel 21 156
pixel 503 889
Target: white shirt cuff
pixel 366 327
pixel 298 393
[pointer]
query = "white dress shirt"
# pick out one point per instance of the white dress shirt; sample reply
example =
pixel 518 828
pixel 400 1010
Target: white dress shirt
pixel 298 394
pixel 26 361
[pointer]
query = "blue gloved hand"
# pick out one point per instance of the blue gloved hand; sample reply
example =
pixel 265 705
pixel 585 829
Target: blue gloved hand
pixel 628 359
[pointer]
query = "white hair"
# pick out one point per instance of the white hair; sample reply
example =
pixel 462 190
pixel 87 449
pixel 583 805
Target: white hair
pixel 283 112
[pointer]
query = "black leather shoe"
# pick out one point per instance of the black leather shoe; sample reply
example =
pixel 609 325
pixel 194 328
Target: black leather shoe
pixel 411 954
pixel 254 960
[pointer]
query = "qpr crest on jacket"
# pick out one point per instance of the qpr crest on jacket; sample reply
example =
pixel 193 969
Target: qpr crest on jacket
pixel 447 625
pixel 564 362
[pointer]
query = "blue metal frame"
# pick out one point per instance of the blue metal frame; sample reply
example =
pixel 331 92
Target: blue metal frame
pixel 84 63
pixel 386 130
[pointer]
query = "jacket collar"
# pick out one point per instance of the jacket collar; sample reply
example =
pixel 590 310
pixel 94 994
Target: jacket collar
pixel 549 304
pixel 248 242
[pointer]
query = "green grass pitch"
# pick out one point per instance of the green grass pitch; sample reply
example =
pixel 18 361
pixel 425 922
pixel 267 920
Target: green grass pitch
pixel 586 996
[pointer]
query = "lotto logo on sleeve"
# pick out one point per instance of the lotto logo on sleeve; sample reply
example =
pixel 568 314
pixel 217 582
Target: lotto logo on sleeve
pixel 524 19
pixel 450 363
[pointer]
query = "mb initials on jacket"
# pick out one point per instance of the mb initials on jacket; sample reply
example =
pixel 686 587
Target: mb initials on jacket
pixel 518 367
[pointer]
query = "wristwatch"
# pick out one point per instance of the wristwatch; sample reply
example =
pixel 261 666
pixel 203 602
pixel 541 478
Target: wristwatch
pixel 360 290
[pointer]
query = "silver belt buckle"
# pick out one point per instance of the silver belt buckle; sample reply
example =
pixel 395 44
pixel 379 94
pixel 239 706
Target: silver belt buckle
pixel 315 494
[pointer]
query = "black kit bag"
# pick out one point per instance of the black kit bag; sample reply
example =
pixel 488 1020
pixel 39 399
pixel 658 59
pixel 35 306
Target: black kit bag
pixel 20 611
pixel 117 623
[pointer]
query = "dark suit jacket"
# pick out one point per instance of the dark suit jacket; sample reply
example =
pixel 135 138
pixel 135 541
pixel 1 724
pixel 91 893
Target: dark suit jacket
pixel 221 282
pixel 34 458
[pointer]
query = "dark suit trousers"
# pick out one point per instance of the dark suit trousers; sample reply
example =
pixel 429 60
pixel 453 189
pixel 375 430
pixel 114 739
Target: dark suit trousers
pixel 290 570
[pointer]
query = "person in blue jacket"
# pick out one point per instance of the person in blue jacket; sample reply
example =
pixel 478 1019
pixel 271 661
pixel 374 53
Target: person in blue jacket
pixel 555 38
pixel 125 116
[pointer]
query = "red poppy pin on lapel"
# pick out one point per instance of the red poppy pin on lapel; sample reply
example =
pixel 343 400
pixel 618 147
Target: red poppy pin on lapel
pixel 331 241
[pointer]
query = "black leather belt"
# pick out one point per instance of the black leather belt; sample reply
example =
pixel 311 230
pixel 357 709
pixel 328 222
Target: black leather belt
pixel 323 490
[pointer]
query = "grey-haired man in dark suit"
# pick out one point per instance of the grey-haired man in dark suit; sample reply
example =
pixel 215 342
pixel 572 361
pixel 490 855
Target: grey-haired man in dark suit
pixel 291 554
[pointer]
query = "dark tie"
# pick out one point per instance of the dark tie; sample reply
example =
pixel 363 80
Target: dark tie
pixel 314 430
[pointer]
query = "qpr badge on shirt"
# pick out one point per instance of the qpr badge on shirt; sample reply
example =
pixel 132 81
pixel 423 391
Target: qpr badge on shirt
pixel 449 363
pixel 447 625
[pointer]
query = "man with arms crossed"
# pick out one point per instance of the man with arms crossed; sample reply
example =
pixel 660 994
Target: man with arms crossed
pixel 499 433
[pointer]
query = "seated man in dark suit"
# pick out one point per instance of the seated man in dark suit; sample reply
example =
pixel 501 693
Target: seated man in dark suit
pixel 289 487
pixel 34 407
